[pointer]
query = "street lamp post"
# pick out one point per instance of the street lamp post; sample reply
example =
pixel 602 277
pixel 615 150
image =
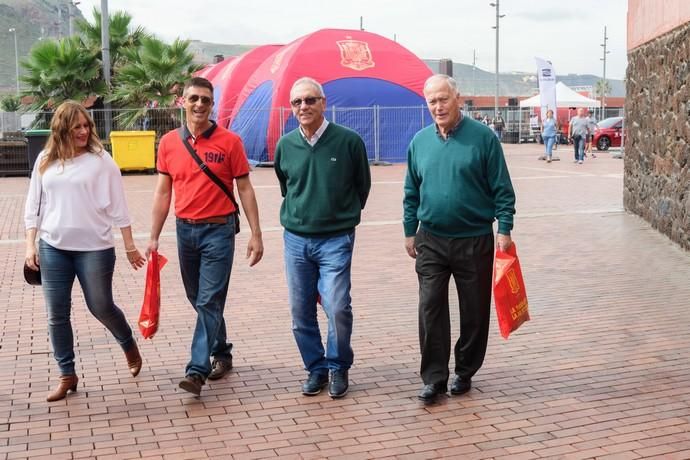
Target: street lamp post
pixel 16 56
pixel 498 16
pixel 105 57
pixel 603 85
pixel 71 7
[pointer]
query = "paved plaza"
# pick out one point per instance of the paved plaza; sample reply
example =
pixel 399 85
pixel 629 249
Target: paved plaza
pixel 601 371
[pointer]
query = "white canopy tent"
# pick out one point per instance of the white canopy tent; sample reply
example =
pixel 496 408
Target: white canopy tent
pixel 565 97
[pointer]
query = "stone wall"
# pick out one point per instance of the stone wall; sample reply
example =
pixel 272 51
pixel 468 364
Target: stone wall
pixel 657 142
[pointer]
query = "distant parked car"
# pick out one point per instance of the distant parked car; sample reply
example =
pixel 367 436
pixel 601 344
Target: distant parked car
pixel 608 133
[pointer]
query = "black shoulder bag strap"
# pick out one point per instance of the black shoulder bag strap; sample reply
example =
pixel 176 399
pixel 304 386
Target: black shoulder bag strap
pixel 205 169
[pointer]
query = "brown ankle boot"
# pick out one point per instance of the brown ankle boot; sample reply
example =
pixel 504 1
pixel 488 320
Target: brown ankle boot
pixel 67 383
pixel 133 360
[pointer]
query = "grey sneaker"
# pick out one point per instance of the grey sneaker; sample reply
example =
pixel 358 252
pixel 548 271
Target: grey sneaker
pixel 220 367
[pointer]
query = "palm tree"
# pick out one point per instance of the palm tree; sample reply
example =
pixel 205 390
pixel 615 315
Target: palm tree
pixel 154 74
pixel 602 88
pixel 122 36
pixel 60 70
pixel 10 103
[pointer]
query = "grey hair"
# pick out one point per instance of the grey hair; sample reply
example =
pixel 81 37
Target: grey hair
pixel 309 81
pixel 450 81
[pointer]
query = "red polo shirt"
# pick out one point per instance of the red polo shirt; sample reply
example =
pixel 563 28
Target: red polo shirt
pixel 196 196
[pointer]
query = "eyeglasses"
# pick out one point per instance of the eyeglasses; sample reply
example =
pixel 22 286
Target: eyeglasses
pixel 194 98
pixel 311 100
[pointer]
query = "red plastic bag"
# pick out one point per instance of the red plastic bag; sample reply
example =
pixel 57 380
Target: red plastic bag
pixel 510 296
pixel 150 309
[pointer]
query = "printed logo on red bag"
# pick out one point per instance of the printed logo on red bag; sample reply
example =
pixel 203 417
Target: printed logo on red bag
pixel 513 281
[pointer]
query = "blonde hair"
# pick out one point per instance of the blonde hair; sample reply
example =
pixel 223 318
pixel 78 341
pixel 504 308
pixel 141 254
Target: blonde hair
pixel 60 146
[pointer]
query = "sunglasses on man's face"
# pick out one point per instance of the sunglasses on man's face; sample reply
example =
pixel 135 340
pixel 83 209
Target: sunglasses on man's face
pixel 311 100
pixel 194 98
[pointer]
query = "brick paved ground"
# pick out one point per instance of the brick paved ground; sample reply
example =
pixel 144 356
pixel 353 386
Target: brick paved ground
pixel 601 371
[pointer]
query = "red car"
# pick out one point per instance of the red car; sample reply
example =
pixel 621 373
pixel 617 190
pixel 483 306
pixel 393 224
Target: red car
pixel 608 133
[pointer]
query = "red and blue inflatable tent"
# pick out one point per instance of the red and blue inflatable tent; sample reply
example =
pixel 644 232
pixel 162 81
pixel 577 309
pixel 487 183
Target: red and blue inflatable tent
pixel 372 85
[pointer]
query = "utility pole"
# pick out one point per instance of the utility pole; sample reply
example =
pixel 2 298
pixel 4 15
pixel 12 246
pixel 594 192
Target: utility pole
pixel 59 21
pixel 474 66
pixel 16 56
pixel 498 17
pixel 105 57
pixel 603 86
pixel 71 6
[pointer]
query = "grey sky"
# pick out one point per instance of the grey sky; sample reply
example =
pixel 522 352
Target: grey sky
pixel 568 33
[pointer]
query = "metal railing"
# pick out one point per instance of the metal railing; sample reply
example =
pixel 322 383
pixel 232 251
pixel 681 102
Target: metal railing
pixel 386 131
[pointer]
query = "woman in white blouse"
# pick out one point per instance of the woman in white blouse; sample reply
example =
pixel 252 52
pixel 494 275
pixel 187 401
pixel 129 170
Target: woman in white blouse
pixel 75 198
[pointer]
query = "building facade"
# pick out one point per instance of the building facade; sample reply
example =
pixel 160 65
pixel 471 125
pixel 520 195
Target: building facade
pixel 657 116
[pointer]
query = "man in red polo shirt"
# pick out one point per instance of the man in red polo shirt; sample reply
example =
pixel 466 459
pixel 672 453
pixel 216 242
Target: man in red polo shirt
pixel 205 224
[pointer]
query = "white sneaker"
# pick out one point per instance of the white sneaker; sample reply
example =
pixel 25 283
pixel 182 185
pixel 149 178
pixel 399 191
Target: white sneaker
pixel 579 162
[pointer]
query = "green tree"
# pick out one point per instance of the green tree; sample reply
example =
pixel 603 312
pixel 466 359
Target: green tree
pixel 154 72
pixel 60 70
pixel 10 103
pixel 122 36
pixel 602 88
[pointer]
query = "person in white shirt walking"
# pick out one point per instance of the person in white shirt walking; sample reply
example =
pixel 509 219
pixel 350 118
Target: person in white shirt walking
pixel 75 197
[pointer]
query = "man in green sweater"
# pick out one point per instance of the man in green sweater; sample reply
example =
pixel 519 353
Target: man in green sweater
pixel 324 178
pixel 457 184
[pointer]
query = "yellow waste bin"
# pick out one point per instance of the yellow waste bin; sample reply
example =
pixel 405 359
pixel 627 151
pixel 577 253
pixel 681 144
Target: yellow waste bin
pixel 134 150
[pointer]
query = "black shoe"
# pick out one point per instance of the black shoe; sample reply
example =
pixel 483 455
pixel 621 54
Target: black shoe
pixel 220 367
pixel 314 383
pixel 461 385
pixel 429 392
pixel 192 383
pixel 339 384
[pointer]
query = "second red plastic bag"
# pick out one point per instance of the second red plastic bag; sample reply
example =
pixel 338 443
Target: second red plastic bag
pixel 150 309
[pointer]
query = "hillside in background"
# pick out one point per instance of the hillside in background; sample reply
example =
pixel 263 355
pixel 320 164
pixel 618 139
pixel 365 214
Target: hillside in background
pixel 204 52
pixel 34 20
pixel 480 82
pixel 38 19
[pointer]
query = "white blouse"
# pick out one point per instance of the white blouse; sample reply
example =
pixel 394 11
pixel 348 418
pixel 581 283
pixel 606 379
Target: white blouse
pixel 81 201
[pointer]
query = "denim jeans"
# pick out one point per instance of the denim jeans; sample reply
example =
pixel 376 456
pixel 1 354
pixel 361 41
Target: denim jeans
pixel 206 252
pixel 548 144
pixel 94 269
pixel 579 146
pixel 313 266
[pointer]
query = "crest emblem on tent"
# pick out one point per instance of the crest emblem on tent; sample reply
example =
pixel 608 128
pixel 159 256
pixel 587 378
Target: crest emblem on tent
pixel 355 54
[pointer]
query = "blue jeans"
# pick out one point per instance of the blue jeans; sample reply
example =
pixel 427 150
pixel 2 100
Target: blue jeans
pixel 548 144
pixel 320 265
pixel 94 269
pixel 206 252
pixel 579 146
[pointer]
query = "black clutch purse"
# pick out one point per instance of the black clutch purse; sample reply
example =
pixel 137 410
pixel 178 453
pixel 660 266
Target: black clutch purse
pixel 33 277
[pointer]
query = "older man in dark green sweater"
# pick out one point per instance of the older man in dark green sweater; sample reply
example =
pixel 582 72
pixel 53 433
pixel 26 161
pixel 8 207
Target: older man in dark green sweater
pixel 457 184
pixel 324 176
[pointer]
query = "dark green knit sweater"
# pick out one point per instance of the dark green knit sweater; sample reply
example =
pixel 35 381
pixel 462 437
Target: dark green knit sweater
pixel 456 187
pixel 325 186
